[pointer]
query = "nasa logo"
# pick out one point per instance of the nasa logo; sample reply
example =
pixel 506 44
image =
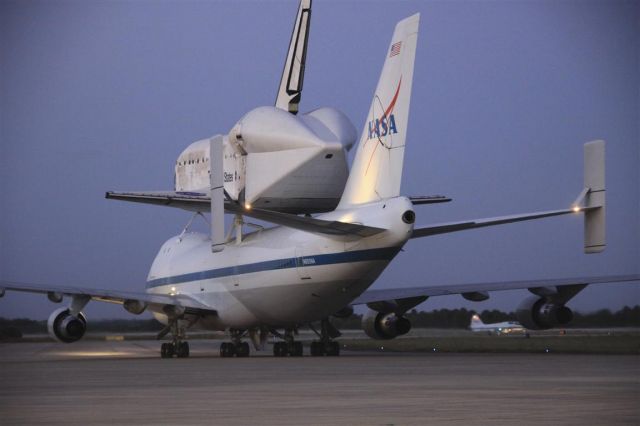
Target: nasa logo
pixel 382 127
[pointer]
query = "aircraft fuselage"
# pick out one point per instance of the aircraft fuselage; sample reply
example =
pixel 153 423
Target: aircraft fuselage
pixel 279 276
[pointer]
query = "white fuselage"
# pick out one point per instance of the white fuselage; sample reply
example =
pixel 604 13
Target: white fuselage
pixel 498 327
pixel 280 276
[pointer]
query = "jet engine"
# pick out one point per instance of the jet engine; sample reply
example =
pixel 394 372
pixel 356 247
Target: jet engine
pixel 378 325
pixel 65 327
pixel 538 313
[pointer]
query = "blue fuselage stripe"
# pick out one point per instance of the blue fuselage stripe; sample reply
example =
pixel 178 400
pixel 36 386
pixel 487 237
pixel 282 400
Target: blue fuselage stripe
pixel 386 253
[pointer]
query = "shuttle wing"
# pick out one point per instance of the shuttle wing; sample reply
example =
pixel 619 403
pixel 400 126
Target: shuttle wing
pixel 548 287
pixel 112 296
pixel 200 202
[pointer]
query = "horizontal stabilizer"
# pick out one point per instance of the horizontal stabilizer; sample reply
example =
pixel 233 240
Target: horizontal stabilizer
pixel 417 200
pixel 444 228
pixel 192 201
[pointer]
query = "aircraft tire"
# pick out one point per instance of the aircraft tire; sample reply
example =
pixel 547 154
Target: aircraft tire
pixel 333 349
pixel 242 350
pixel 280 349
pixel 296 349
pixel 166 350
pixel 226 350
pixel 317 349
pixel 182 350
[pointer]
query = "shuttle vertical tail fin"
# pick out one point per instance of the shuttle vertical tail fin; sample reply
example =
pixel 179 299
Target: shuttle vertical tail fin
pixel 290 90
pixel 377 166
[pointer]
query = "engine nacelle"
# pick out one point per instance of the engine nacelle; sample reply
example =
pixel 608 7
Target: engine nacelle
pixel 65 327
pixel 136 307
pixel 345 312
pixel 537 313
pixel 379 325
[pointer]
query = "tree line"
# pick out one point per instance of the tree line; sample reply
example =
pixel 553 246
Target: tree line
pixel 460 318
pixel 438 318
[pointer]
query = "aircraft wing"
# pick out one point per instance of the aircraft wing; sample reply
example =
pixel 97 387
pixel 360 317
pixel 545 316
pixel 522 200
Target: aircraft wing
pixel 112 296
pixel 479 291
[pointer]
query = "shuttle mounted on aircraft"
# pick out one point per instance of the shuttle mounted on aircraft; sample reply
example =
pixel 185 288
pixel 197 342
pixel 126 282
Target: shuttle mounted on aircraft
pixel 333 236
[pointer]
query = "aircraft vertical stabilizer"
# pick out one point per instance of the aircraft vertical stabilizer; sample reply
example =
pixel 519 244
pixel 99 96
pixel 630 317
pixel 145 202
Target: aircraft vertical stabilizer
pixel 377 167
pixel 216 153
pixel 594 215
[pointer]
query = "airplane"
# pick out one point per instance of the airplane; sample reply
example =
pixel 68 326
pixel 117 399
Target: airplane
pixel 505 327
pixel 307 269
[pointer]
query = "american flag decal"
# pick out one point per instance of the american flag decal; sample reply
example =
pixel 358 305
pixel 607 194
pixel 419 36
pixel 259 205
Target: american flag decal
pixel 395 49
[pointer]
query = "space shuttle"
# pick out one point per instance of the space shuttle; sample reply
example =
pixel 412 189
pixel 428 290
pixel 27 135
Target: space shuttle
pixel 273 158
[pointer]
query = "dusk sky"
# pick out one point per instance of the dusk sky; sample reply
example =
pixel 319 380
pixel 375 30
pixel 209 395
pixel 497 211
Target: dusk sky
pixel 104 95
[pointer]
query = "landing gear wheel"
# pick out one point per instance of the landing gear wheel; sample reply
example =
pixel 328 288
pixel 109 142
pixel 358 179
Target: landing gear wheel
pixel 317 349
pixel 166 350
pixel 280 349
pixel 333 349
pixel 182 349
pixel 242 350
pixel 296 349
pixel 326 345
pixel 227 350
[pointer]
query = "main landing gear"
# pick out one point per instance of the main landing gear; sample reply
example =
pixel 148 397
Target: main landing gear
pixel 236 347
pixel 178 346
pixel 289 347
pixel 179 349
pixel 326 346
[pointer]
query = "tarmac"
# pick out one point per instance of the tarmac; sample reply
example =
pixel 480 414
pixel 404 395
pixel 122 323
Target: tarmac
pixel 118 382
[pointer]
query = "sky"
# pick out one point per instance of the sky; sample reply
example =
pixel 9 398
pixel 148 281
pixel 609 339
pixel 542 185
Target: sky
pixel 104 95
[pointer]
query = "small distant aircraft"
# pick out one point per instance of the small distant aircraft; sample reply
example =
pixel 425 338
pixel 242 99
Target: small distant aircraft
pixel 281 167
pixel 505 327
